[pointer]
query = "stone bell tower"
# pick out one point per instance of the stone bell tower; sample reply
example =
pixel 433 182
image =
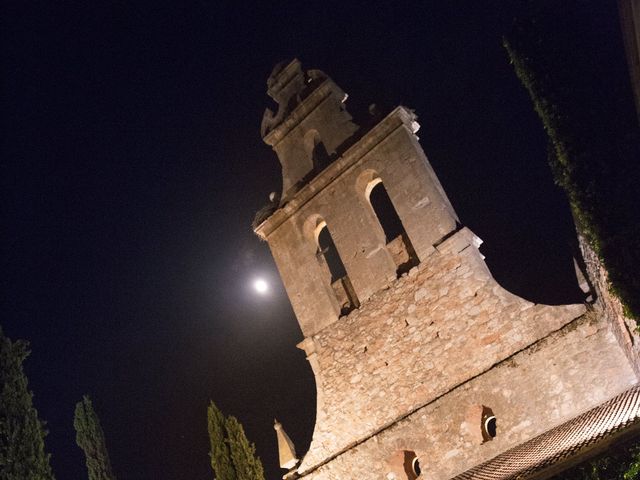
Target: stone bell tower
pixel 424 366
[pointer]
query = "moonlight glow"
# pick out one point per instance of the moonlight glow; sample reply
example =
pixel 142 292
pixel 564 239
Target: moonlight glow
pixel 261 286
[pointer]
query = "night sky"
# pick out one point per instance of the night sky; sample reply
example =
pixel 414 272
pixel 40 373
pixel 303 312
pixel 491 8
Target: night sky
pixel 132 167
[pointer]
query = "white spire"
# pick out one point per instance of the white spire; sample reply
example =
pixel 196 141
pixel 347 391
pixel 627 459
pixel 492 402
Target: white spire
pixel 286 449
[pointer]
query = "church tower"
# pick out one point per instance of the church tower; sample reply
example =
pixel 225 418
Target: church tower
pixel 424 366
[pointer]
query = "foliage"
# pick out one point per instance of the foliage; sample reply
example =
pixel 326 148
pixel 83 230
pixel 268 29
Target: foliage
pixel 247 465
pixel 90 437
pixel 261 215
pixel 22 450
pixel 232 455
pixel 575 73
pixel 621 462
pixel 221 461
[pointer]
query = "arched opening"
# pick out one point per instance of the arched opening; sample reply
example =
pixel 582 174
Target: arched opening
pixel 331 263
pixel 398 242
pixel 316 150
pixel 480 424
pixel 490 427
pixel 327 248
pixel 404 465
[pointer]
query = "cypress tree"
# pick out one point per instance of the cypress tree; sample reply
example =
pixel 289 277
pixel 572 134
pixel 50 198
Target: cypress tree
pixel 22 452
pixel 90 437
pixel 243 453
pixel 220 455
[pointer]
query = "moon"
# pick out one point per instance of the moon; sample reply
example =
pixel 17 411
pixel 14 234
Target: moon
pixel 261 286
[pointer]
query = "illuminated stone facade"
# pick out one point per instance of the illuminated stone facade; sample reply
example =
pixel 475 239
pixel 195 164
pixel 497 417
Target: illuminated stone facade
pixel 424 365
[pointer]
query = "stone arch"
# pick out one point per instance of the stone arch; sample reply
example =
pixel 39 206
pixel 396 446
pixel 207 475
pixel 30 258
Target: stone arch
pixel 310 225
pixel 370 186
pixel 311 231
pixel 366 180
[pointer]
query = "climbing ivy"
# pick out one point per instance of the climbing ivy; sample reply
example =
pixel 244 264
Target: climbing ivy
pixel 574 70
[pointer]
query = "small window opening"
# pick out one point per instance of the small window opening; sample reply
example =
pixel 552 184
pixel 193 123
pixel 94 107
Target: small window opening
pixel 480 424
pixel 404 465
pixel 490 426
pixel 411 465
pixel 330 261
pixel 398 242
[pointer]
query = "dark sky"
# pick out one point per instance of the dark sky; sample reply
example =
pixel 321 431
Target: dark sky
pixel 132 166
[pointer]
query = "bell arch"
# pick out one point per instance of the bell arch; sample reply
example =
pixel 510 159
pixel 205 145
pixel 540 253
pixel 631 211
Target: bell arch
pixel 396 239
pixel 316 150
pixel 333 270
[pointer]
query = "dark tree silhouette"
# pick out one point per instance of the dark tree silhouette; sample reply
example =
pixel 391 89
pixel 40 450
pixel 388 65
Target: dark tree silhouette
pixel 90 437
pixel 233 457
pixel 243 452
pixel 22 452
pixel 221 461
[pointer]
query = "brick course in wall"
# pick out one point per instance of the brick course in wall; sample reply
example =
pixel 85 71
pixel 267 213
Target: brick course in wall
pixel 544 385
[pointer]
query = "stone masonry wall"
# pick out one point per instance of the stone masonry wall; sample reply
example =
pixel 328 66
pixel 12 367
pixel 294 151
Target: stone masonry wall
pixel 444 323
pixel 530 392
pixel 337 196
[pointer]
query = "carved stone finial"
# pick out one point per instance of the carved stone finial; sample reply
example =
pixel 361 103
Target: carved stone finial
pixel 286 449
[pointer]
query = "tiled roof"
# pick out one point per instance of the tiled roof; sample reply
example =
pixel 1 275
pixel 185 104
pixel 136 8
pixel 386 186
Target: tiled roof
pixel 563 441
